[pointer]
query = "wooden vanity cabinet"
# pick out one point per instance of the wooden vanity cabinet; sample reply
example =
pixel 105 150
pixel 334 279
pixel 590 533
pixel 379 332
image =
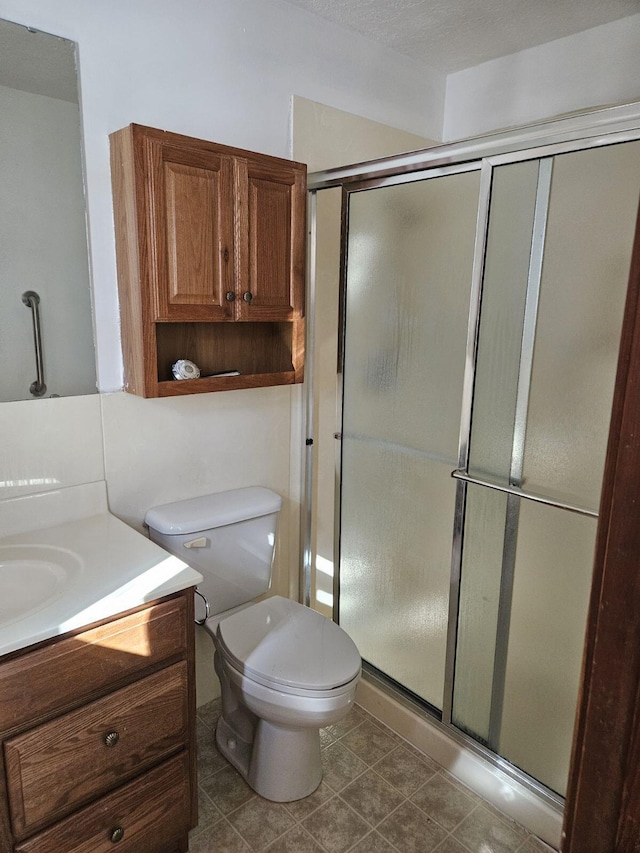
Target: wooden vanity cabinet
pixel 98 737
pixel 210 244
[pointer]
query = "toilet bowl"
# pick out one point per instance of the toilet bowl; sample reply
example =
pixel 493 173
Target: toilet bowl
pixel 285 671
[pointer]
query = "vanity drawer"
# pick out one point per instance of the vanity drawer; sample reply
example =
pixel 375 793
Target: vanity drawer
pixel 72 670
pixel 68 761
pixel 151 812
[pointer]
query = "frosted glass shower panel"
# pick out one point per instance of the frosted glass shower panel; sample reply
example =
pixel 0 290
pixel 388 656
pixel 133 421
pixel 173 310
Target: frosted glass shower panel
pixel 556 267
pixel 504 293
pixel 409 265
pixel 592 210
pixel 480 579
pixel 513 196
pixel 552 580
pixel 410 257
pixel 395 562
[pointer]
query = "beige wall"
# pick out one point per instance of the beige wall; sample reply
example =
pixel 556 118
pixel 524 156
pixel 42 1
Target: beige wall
pixel 324 137
pixel 158 451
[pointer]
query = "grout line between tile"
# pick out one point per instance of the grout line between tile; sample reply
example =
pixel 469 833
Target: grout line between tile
pixel 430 766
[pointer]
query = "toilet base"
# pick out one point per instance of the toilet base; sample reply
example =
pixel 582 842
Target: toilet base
pixel 236 750
pixel 282 764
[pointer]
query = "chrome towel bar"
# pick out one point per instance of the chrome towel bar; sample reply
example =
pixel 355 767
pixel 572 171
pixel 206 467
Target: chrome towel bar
pixel 458 474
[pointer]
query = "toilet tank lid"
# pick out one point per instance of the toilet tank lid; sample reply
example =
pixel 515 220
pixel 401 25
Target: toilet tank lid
pixel 208 511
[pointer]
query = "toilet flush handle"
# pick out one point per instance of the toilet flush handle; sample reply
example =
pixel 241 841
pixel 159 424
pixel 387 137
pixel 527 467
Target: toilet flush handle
pixel 206 607
pixel 201 542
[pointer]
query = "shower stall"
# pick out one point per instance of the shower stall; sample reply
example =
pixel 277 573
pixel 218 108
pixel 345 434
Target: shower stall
pixel 482 288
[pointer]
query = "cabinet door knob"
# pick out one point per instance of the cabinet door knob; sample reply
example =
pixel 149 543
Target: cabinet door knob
pixel 116 834
pixel 229 296
pixel 111 739
pixel 248 296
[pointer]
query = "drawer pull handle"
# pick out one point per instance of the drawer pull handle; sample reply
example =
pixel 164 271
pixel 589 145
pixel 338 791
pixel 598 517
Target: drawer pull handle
pixel 111 739
pixel 248 296
pixel 116 834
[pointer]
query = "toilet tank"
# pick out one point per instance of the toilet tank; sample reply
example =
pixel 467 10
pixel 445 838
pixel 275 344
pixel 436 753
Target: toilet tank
pixel 229 537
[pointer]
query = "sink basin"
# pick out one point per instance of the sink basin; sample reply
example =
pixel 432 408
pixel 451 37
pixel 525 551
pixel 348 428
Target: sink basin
pixel 32 576
pixel 57 579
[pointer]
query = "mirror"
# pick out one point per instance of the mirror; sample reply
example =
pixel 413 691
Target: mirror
pixel 46 328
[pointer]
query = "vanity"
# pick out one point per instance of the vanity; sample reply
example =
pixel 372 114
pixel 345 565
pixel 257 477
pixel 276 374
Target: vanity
pixel 97 716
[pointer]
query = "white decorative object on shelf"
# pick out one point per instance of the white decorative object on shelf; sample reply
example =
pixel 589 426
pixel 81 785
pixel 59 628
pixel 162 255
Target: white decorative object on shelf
pixel 185 369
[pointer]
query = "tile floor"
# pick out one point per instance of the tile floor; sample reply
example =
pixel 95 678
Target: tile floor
pixel 379 795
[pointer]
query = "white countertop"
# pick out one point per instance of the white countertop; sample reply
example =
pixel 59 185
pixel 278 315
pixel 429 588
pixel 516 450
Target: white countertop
pixel 109 568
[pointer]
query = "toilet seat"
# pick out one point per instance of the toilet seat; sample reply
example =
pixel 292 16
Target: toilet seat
pixel 289 648
pixel 300 702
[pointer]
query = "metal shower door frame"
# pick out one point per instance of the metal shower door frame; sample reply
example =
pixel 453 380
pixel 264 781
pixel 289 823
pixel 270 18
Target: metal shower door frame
pixel 540 142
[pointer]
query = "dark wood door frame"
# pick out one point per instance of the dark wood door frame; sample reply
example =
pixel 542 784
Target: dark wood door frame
pixel 602 812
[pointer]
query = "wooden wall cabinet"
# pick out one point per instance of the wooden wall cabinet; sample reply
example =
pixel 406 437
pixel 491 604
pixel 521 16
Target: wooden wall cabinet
pixel 210 244
pixel 98 737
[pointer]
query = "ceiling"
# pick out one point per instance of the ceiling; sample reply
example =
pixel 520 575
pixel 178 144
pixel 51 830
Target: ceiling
pixel 447 35
pixel 450 35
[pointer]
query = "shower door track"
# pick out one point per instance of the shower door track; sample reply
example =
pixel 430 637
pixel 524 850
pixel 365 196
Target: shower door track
pixel 416 704
pixel 609 126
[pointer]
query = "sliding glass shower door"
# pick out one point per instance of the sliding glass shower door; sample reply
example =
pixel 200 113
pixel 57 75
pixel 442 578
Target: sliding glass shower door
pixel 481 328
pixel 410 259
pixel 545 369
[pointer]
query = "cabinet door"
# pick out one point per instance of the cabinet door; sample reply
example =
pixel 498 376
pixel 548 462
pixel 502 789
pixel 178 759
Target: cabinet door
pixel 191 232
pixel 271 207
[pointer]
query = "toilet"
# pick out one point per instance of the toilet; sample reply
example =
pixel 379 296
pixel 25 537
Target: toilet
pixel 285 671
